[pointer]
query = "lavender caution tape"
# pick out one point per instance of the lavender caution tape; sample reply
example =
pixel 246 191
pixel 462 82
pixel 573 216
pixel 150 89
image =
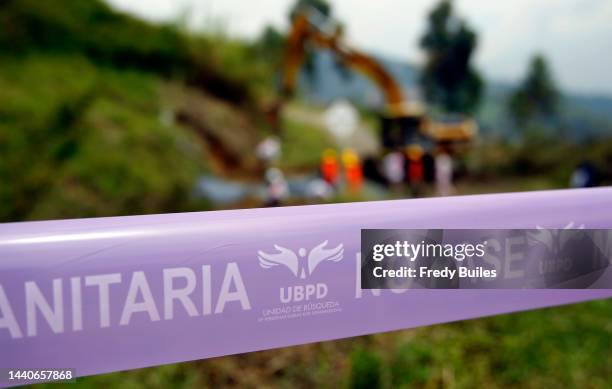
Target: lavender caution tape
pixel 107 294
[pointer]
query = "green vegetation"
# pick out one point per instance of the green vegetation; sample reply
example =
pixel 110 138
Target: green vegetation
pixel 539 156
pixel 78 140
pixel 112 39
pixel 90 121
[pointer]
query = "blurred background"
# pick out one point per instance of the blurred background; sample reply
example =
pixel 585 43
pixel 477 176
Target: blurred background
pixel 124 107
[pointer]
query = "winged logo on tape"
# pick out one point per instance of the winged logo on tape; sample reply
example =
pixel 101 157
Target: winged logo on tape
pixel 300 264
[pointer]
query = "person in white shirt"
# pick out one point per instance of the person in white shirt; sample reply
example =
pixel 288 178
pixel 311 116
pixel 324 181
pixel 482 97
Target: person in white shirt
pixel 444 173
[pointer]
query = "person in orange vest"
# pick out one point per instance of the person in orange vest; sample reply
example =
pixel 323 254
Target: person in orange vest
pixel 330 168
pixel 352 170
pixel 415 169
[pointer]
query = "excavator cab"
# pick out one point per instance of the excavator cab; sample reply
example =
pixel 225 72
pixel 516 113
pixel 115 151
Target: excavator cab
pixel 402 125
pixel 398 132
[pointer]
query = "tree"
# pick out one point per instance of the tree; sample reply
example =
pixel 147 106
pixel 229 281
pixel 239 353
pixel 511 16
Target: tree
pixel 537 97
pixel 324 9
pixel 320 5
pixel 448 79
pixel 271 44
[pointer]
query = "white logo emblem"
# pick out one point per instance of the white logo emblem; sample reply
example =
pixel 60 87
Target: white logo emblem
pixel 552 240
pixel 299 265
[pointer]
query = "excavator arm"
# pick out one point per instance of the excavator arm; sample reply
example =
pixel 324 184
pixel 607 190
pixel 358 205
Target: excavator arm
pixel 306 29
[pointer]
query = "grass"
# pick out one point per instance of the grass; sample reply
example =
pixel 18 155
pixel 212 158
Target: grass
pixel 507 184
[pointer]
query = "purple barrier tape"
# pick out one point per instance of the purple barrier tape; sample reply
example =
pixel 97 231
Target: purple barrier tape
pixel 100 295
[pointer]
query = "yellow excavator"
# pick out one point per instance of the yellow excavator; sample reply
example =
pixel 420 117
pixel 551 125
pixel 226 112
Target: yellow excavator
pixel 402 119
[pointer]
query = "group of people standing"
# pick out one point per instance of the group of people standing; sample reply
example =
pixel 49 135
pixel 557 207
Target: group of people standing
pixel 412 167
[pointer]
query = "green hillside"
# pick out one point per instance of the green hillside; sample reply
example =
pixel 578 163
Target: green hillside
pixel 104 114
pixel 86 110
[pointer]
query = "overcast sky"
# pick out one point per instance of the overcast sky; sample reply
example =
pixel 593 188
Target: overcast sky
pixel 576 35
